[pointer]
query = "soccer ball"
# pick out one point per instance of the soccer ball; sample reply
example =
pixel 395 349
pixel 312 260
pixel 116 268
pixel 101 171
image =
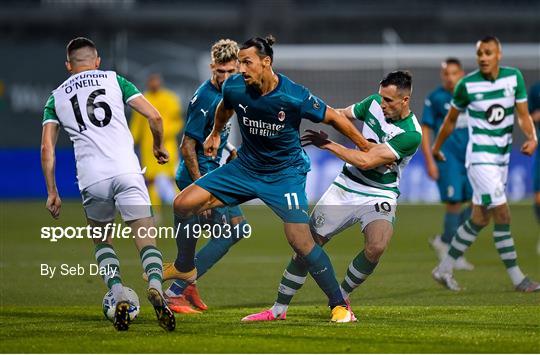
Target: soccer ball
pixel 109 304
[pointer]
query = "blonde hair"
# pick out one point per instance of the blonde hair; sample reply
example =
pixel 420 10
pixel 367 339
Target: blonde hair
pixel 224 50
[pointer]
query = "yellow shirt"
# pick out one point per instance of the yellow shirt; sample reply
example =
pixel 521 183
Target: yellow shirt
pixel 168 105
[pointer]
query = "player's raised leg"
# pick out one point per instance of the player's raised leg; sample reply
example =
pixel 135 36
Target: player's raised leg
pixel 187 206
pixel 465 236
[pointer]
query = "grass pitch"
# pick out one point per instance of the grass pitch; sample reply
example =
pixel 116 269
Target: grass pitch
pixel 400 308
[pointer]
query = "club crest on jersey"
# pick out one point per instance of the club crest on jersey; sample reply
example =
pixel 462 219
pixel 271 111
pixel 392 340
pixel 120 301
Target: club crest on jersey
pixel 495 114
pixel 509 91
pixel 316 104
pixel 319 220
pixel 281 116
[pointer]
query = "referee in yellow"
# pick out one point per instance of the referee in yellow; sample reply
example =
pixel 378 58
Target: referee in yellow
pixel 159 178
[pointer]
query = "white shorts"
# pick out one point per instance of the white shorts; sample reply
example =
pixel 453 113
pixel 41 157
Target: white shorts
pixel 488 183
pixel 127 193
pixel 342 206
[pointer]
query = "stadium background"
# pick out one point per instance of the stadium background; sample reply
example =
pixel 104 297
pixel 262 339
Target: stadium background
pixel 338 49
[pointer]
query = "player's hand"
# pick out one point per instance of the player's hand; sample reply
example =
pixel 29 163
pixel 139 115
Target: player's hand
pixel 432 170
pixel 232 155
pixel 211 144
pixel 54 204
pixel 529 147
pixel 161 154
pixel 438 155
pixel 318 139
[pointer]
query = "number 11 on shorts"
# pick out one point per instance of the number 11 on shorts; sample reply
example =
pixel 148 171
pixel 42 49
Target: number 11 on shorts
pixel 292 196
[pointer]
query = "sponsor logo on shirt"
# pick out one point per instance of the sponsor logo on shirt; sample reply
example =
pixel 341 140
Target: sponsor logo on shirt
pixel 495 114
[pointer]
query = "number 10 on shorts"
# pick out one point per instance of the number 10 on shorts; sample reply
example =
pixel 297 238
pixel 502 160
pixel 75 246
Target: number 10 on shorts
pixel 290 197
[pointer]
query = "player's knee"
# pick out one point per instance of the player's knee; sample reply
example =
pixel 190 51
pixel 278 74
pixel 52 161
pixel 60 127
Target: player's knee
pixel 374 251
pixel 182 206
pixel 303 247
pixel 502 218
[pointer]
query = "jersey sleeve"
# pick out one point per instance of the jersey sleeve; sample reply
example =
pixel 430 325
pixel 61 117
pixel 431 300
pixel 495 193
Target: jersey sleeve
pixel 361 108
pixel 49 112
pixel 196 120
pixel 405 144
pixel 129 91
pixel 428 117
pixel 521 90
pixel 460 100
pixel 312 107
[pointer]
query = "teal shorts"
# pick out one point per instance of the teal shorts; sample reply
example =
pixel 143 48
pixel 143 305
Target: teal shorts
pixel 453 183
pixel 284 192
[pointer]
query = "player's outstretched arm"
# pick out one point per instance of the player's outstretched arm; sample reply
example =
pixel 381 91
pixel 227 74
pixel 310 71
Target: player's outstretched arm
pixel 343 124
pixel 189 154
pixel 527 126
pixel 377 155
pixel 49 137
pixel 222 116
pixel 446 129
pixel 347 112
pixel 145 108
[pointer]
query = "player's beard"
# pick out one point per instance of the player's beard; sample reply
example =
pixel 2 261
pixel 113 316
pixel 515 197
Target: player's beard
pixel 257 87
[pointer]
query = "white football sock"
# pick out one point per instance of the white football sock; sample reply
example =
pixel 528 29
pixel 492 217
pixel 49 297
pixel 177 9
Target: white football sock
pixel 516 275
pixel 278 309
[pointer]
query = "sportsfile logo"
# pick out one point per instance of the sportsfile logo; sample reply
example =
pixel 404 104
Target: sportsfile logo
pixel 118 231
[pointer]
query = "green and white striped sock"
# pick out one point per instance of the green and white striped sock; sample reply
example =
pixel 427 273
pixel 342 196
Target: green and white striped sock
pixel 358 271
pixel 507 251
pixel 465 235
pixel 292 280
pixel 107 260
pixel 152 263
pixel 463 239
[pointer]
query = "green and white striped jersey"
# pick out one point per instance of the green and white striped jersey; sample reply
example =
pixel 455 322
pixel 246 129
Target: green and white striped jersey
pixel 403 137
pixel 490 108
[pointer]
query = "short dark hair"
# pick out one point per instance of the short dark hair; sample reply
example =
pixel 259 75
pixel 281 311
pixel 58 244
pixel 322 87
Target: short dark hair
pixel 400 78
pixel 453 60
pixel 490 38
pixel 78 43
pixel 263 45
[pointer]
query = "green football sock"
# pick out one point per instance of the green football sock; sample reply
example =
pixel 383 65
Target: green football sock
pixel 357 272
pixel 507 251
pixel 108 261
pixel 152 263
